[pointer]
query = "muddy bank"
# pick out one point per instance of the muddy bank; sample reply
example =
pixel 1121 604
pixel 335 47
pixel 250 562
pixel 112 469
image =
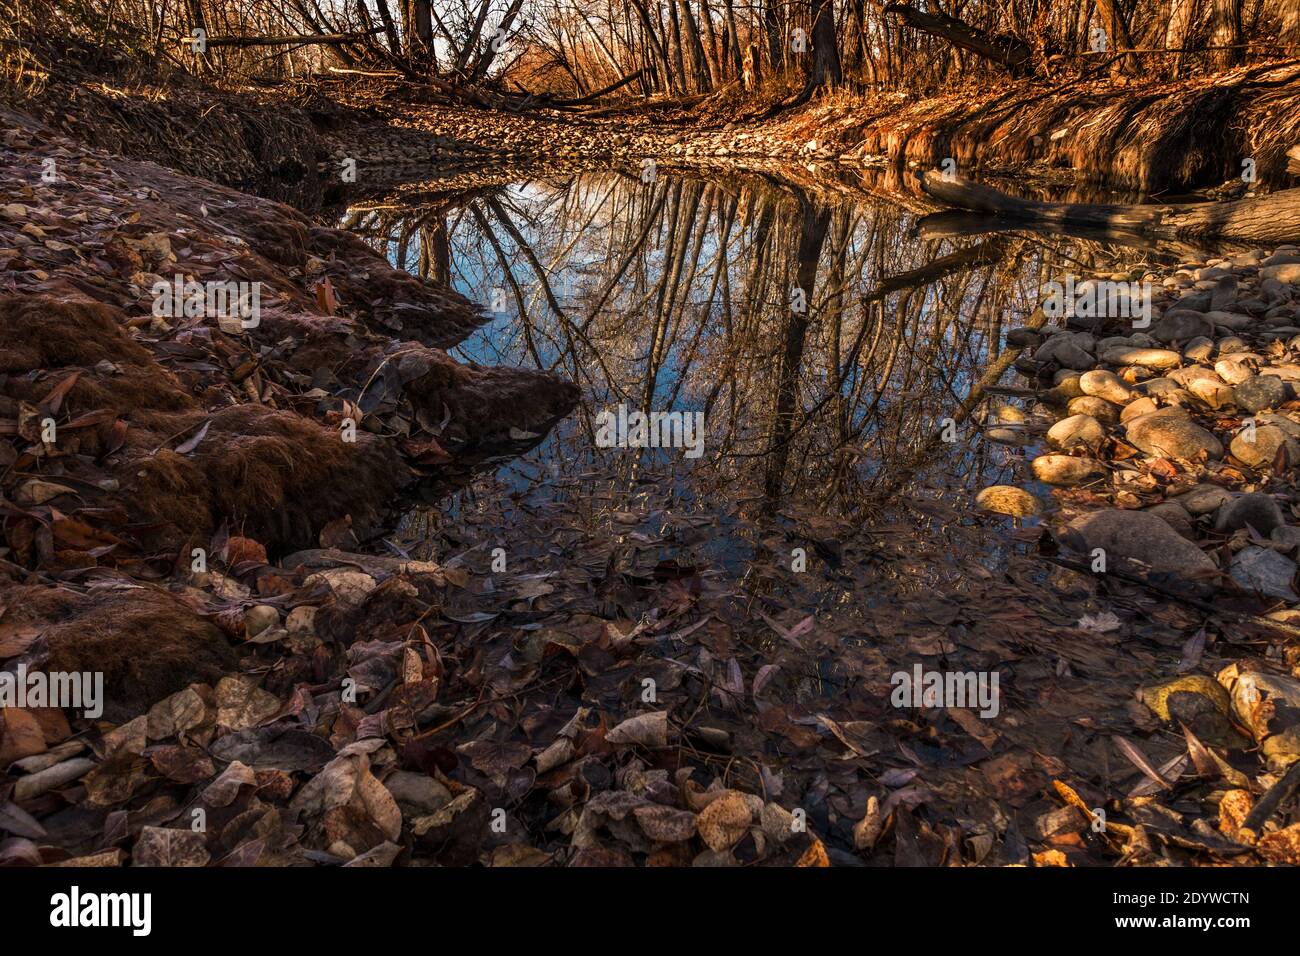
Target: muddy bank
pixel 150 451
pixel 308 145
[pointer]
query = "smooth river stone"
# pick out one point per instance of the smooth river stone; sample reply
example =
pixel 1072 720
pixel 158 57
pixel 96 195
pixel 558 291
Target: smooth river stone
pixel 1098 408
pixel 1260 392
pixel 1138 536
pixel 1287 272
pixel 1257 510
pixel 1171 432
pixel 1105 385
pixel 1076 430
pixel 1065 470
pixel 1232 371
pixel 1262 452
pixel 1147 358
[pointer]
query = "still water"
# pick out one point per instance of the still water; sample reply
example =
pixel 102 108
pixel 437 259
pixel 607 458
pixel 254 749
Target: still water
pixel 836 351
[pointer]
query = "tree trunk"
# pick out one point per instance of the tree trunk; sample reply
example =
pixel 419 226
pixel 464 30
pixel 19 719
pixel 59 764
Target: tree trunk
pixel 826 53
pixel 703 81
pixel 1228 32
pixel 1010 52
pixel 1271 218
pixel 775 42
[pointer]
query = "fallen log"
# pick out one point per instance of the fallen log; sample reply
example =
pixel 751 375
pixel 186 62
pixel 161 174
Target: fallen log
pixel 307 39
pixel 1271 218
pixel 1011 52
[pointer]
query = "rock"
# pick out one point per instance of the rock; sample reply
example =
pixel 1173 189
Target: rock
pixel 1156 387
pixel 1230 344
pixel 1259 511
pixel 1064 470
pixel 1234 371
pixel 1174 515
pixel 1147 358
pixel 1265 571
pixel 1105 385
pixel 1203 499
pixel 1198 349
pixel 1287 272
pixel 1076 430
pixel 1262 452
pixel 1171 432
pixel 1198 301
pixel 417 794
pixel 1232 321
pixel 301 620
pixel 1137 408
pixel 1288 536
pixel 1181 325
pixel 1138 536
pixel 1197 701
pixel 1260 392
pixel 1008 500
pixel 1064 352
pixel 1006 414
pixel 1006 436
pixel 1224 293
pixel 1212 391
pixel 258 618
pixel 1023 338
pixel 1098 408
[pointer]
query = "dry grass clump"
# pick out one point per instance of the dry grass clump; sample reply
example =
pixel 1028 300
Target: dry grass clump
pixel 147 643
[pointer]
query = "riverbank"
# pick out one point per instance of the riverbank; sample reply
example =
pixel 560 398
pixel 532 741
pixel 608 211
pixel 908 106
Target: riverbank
pixel 1223 134
pixel 200 509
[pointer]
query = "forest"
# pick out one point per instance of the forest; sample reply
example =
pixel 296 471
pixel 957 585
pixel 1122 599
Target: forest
pixel 650 433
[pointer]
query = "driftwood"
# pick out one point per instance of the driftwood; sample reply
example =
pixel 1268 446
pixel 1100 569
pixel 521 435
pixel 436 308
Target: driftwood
pixel 1271 218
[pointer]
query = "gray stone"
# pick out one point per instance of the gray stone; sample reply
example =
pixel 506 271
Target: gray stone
pixel 1203 499
pixel 1265 571
pixel 417 794
pixel 1258 511
pixel 1181 325
pixel 1175 516
pixel 1288 536
pixel 1260 392
pixel 1023 338
pixel 1224 294
pixel 1234 371
pixel 1138 536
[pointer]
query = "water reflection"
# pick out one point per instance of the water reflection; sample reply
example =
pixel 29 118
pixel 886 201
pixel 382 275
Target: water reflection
pixel 831 340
